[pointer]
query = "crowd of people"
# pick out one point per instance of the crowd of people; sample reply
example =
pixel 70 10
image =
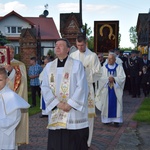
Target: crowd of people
pixel 137 71
pixel 62 97
pixel 70 87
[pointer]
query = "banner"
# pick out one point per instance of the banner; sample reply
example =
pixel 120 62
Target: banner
pixel 105 36
pixel 4 56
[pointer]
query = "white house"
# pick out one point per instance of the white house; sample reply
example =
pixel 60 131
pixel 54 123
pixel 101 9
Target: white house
pixel 12 24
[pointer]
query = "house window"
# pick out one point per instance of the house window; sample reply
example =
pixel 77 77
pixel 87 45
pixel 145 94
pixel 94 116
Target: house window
pixel 13 30
pixel 19 29
pixel 8 30
pixel 17 50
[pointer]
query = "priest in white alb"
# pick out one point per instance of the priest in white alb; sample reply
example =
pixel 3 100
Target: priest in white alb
pixel 65 92
pixel 92 67
pixel 109 97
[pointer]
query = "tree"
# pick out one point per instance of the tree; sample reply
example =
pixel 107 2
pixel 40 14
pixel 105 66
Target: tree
pixel 91 43
pixel 87 30
pixel 3 39
pixel 133 36
pixel 50 53
pixel 90 39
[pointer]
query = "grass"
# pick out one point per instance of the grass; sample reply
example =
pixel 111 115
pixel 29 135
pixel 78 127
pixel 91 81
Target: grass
pixel 36 109
pixel 143 113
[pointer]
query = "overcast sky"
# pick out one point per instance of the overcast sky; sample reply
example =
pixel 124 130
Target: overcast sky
pixel 126 11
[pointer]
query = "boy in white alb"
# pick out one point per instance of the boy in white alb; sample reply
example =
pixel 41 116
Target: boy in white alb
pixel 10 105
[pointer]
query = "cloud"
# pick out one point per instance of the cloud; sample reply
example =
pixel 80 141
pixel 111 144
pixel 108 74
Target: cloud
pixel 100 8
pixel 1 6
pixel 74 7
pixel 68 7
pixel 15 5
pixel 21 9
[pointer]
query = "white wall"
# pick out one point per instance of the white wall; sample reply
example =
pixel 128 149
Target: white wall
pixel 15 21
pixel 12 21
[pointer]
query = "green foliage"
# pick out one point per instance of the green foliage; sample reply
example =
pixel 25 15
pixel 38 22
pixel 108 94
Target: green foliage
pixel 90 40
pixel 88 29
pixel 143 113
pixel 91 43
pixel 133 36
pixel 3 40
pixel 17 56
pixel 126 48
pixel 50 53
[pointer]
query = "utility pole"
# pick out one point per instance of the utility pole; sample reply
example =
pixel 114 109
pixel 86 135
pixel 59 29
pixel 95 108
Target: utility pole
pixel 81 10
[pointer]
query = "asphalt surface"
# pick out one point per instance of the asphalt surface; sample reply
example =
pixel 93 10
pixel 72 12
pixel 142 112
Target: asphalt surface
pixel 128 136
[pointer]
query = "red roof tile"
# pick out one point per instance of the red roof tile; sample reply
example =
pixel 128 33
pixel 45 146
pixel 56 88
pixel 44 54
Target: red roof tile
pixel 48 30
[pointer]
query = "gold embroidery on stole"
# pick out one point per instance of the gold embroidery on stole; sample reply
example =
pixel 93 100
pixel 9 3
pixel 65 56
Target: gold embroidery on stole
pixel 58 116
pixel 18 76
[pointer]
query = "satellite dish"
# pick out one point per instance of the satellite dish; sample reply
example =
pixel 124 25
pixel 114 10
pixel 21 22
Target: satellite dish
pixel 45 13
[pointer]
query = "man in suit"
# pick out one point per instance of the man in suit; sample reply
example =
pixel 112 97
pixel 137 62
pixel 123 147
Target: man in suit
pixel 134 73
pixel 145 61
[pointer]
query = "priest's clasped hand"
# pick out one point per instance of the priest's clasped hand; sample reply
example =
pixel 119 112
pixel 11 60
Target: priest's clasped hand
pixel 64 106
pixel 111 79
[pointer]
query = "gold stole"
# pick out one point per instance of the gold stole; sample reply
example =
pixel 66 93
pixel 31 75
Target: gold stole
pixel 58 116
pixel 18 76
pixel 91 101
pixel 111 85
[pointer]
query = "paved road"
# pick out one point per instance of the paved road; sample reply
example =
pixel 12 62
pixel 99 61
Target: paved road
pixel 105 137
